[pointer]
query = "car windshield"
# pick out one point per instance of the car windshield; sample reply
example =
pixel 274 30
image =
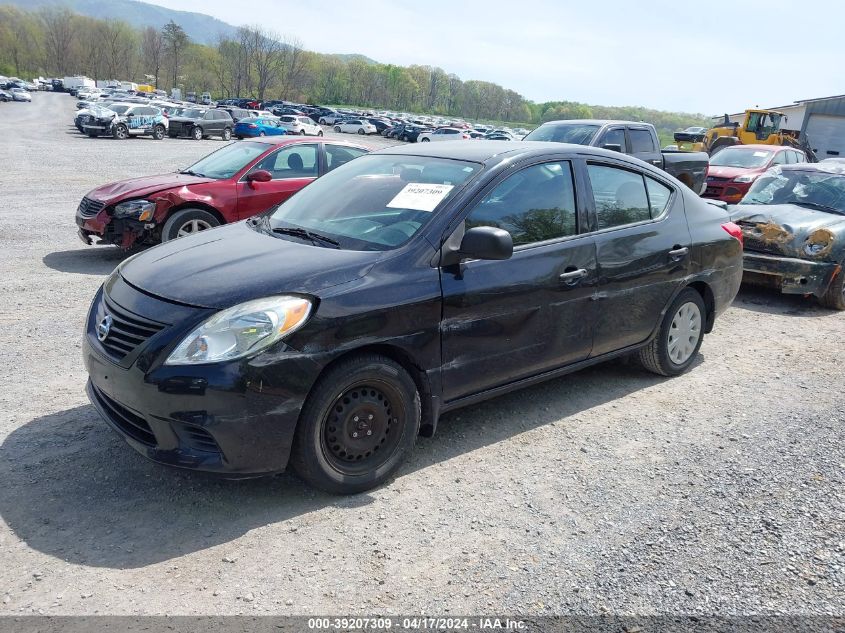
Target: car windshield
pixel 227 161
pixel 120 109
pixel 741 157
pixel 193 113
pixel 577 133
pixel 818 189
pixel 374 202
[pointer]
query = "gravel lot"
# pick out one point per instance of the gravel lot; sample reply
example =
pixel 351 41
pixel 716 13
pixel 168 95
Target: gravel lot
pixel 608 491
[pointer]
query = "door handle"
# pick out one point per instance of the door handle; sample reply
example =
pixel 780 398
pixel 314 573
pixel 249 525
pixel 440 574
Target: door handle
pixel 574 276
pixel 678 253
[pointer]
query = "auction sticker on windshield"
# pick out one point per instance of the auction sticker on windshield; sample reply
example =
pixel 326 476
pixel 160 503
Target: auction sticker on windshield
pixel 420 196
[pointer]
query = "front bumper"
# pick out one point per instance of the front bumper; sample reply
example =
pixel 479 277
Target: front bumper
pixel 790 275
pixel 235 419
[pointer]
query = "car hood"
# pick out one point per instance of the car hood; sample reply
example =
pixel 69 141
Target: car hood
pixel 733 172
pixel 143 186
pixel 234 263
pixel 786 229
pixel 183 119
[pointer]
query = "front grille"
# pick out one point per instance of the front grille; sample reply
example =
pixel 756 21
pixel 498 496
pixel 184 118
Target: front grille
pixel 201 440
pixel 88 208
pixel 127 421
pixel 127 331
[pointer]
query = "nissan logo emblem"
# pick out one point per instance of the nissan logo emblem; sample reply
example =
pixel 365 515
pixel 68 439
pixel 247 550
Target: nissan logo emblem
pixel 104 327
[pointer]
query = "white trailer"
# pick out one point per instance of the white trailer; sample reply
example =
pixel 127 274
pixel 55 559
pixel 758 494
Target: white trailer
pixel 77 82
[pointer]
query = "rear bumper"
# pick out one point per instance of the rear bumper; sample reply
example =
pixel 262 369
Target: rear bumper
pixel 790 275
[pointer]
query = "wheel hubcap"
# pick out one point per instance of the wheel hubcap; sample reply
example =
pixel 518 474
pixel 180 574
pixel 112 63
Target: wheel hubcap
pixel 193 226
pixel 684 333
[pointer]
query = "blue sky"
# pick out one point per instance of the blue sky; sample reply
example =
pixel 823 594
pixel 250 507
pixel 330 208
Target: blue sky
pixel 693 57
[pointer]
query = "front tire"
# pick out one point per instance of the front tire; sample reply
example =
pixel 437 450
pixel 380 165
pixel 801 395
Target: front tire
pixel 320 133
pixel 120 132
pixel 834 298
pixel 196 133
pixel 358 424
pixel 426 140
pixel 337 128
pixel 681 333
pixel 187 222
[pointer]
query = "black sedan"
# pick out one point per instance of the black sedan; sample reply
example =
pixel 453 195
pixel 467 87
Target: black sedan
pixel 200 123
pixel 336 328
pixel 793 219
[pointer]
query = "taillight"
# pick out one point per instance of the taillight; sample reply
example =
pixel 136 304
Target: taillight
pixel 465 136
pixel 252 125
pixel 734 231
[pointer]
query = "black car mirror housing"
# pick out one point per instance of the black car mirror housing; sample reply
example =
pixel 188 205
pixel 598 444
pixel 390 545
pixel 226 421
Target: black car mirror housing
pixel 480 242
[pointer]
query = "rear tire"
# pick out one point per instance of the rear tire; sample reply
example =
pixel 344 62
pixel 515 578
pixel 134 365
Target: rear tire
pixel 320 133
pixel 425 140
pixel 337 128
pixel 375 389
pixel 361 131
pixel 227 134
pixel 834 298
pixel 187 222
pixel 681 333
pixel 158 132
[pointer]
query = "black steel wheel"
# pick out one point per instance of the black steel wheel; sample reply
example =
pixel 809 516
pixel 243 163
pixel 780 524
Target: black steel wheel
pixel 357 425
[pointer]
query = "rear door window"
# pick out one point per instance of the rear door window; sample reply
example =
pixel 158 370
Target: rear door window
pixel 337 155
pixel 641 141
pixel 619 195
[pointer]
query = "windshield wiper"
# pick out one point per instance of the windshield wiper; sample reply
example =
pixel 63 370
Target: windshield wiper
pixel 300 232
pixel 190 172
pixel 816 205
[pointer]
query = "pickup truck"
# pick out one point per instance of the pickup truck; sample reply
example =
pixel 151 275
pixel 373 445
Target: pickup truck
pixel 635 139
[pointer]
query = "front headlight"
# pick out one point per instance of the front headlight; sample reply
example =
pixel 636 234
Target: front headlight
pixel 243 329
pixel 141 210
pixel 819 242
pixel 746 179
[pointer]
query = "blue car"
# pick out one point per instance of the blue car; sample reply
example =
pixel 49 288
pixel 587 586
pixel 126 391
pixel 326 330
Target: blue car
pixel 257 126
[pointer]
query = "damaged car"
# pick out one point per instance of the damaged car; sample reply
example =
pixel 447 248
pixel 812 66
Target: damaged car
pixel 235 182
pixel 793 222
pixel 124 120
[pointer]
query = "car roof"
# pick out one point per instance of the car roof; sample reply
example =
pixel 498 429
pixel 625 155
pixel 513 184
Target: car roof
pixel 598 122
pixel 484 151
pixel 760 146
pixel 288 139
pixel 830 168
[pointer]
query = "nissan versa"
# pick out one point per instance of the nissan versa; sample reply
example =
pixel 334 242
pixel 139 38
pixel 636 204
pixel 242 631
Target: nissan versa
pixel 334 329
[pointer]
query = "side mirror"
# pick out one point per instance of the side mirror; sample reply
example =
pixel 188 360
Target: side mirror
pixel 613 147
pixel 486 242
pixel 262 175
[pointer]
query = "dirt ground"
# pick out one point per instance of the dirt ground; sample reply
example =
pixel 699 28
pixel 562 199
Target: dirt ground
pixel 608 491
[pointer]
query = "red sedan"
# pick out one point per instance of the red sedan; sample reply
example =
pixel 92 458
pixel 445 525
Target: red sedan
pixel 734 169
pixel 235 182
